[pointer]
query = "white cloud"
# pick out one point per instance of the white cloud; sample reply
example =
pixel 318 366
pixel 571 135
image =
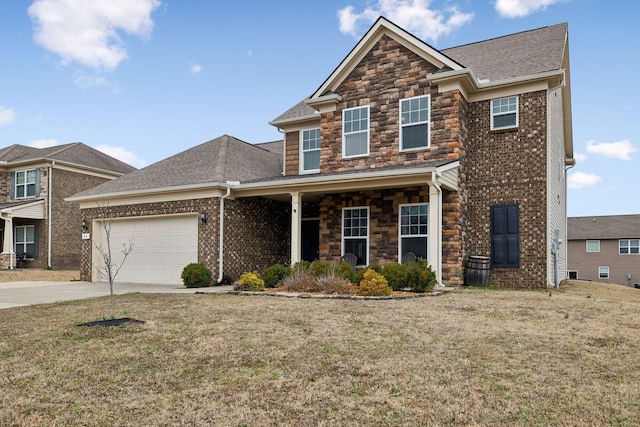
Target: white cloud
pixel 578 180
pixel 618 150
pixel 413 15
pixel 195 68
pixel 87 32
pixel 520 8
pixel 43 143
pixel 7 115
pixel 123 155
pixel 580 157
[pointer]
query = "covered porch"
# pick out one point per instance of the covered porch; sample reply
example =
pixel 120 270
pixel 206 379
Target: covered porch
pixel 18 231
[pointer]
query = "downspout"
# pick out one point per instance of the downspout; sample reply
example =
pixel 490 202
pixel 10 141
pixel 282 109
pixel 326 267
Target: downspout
pixel 49 214
pixel 434 180
pixel 221 231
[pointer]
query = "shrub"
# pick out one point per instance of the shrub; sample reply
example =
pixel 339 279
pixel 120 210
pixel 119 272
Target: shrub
pixel 345 271
pixel 300 280
pixel 301 266
pixel 320 268
pixel 358 277
pixel 196 275
pixel 396 275
pixel 274 275
pixel 373 284
pixel 333 284
pixel 251 282
pixel 420 276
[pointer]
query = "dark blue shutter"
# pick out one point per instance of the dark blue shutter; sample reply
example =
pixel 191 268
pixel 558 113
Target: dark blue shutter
pixel 36 240
pixel 37 182
pixel 12 190
pixel 505 236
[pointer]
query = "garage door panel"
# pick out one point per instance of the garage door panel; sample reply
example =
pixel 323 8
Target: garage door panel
pixel 161 248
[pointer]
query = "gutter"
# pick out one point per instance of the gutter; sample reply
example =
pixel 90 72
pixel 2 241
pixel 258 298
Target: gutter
pixel 221 231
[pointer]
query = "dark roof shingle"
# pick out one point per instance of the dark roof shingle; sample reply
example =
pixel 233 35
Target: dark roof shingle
pixel 603 227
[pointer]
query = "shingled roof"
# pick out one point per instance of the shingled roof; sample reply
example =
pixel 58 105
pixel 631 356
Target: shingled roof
pixel 75 153
pixel 603 227
pixel 521 54
pixel 217 161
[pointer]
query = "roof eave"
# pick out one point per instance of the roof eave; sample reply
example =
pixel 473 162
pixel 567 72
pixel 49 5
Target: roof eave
pixel 147 191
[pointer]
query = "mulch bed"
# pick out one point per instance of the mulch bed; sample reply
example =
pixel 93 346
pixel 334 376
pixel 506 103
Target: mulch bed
pixel 112 322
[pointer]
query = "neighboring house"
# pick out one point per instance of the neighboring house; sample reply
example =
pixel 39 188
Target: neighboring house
pixel 605 249
pixel 37 227
pixel 403 148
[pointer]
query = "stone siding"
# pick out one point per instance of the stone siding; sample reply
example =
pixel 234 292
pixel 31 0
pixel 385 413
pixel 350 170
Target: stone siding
pixel 509 166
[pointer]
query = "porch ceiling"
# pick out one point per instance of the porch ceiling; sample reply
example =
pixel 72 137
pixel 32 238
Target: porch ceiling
pixel 28 209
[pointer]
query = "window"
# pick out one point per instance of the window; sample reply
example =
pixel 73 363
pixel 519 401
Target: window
pixel 593 245
pixel 603 272
pixel 504 113
pixel 629 246
pixel 355 132
pixel 310 150
pixel 355 233
pixel 25 236
pixel 505 236
pixel 414 123
pixel 25 183
pixel 413 229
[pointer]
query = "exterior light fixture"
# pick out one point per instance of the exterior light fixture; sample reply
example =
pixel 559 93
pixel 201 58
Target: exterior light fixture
pixel 85 226
pixel 203 217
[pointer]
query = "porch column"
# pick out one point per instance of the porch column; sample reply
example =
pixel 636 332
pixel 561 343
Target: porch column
pixel 8 240
pixel 435 229
pixel 296 226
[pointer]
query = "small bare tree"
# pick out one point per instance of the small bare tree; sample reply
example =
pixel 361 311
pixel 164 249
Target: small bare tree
pixel 110 267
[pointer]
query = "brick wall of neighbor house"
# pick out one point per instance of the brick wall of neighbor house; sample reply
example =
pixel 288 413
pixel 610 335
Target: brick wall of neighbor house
pixel 383 228
pixel 207 233
pixel 387 74
pixel 66 217
pixel 509 166
pixel 257 235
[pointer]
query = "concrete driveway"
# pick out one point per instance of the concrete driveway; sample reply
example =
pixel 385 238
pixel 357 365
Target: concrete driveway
pixel 17 294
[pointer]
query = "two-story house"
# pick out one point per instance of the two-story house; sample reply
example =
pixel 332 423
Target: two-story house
pixel 403 148
pixel 38 228
pixel 605 249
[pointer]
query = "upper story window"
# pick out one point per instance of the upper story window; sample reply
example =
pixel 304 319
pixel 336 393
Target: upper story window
pixel 355 132
pixel 310 150
pixel 414 122
pixel 629 246
pixel 504 113
pixel 593 245
pixel 25 183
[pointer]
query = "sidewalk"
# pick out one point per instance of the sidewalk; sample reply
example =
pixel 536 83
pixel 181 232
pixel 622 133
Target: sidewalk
pixel 23 293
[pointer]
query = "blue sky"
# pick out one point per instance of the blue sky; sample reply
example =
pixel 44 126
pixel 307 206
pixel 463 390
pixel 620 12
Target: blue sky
pixel 146 79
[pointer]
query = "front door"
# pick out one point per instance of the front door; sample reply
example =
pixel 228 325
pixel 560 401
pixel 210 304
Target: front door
pixel 310 239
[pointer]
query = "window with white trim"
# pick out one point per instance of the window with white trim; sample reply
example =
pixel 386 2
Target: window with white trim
pixel 414 122
pixel 603 272
pixel 629 246
pixel 504 113
pixel 355 233
pixel 413 229
pixel 310 150
pixel 25 238
pixel 25 183
pixel 355 131
pixel 593 245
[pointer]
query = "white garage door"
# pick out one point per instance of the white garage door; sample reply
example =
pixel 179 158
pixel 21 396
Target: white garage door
pixel 161 248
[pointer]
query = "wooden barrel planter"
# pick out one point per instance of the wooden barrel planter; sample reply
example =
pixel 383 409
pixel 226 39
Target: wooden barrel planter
pixel 477 271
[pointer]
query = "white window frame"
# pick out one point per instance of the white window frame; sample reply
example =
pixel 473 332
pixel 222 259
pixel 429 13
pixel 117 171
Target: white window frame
pixel 304 151
pixel 504 113
pixel 346 134
pixel 419 122
pixel 593 242
pixel 356 237
pixel 629 246
pixel 21 231
pixel 400 235
pixel 603 272
pixel 25 184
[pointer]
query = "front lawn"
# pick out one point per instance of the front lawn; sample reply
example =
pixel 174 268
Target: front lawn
pixel 469 357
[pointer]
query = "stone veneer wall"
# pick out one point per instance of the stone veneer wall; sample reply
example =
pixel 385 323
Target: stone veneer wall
pixel 256 232
pixel 383 226
pixel 509 166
